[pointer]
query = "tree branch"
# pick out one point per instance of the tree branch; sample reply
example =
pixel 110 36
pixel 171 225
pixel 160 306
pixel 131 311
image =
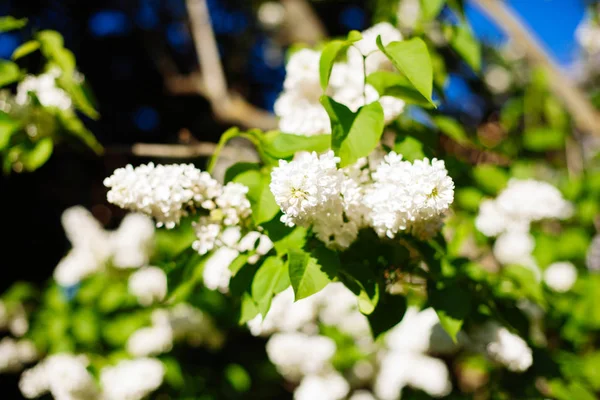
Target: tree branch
pixel 583 112
pixel 301 23
pixel 228 107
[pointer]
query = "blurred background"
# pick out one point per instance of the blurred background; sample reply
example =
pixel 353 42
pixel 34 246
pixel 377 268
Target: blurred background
pixel 139 57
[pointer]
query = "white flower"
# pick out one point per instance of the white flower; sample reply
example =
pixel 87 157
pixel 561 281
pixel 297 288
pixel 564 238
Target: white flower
pixel 400 369
pixel 9 356
pixel 301 116
pixel 331 386
pixel 45 89
pixel 302 71
pixel 409 197
pixel 362 395
pixel 514 247
pixel 504 347
pixel 408 14
pixel 420 332
pixel 234 205
pixel 150 341
pixel 165 192
pixel 519 204
pixel 305 186
pixel 560 276
pixel 289 352
pixel 131 379
pixel 77 265
pixel 206 235
pixel 63 375
pixel 149 285
pixel 132 242
pixel 338 307
pixel 216 273
pixel 593 254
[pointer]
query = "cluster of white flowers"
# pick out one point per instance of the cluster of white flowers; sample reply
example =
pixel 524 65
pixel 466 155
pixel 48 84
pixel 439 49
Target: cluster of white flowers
pixel 45 90
pixel 588 36
pixel 15 354
pixel 165 192
pixel 509 217
pixel 298 105
pixel 93 247
pixel 560 276
pixel 131 379
pixel 503 346
pixel 14 318
pixel 65 376
pixel 393 196
pixel 149 285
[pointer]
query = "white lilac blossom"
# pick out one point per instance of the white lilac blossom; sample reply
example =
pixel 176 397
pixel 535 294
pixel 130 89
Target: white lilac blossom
pixel 504 347
pixel 593 254
pixel 402 196
pixel 400 369
pixel 288 351
pixel 410 197
pixel 420 331
pixel 65 376
pixel 149 285
pixel 519 204
pixel 516 247
pixel 45 90
pixel 362 395
pixel 329 386
pixel 298 106
pixel 131 379
pixel 165 192
pixel 132 242
pixel 14 319
pixel 15 354
pixel 560 276
pixel 150 341
pixel 93 247
pixel 216 273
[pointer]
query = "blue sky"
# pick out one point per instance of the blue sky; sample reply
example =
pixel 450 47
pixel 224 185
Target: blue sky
pixel 553 21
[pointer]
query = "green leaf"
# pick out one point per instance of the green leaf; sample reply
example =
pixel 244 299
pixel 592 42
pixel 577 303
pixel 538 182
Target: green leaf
pixel 9 72
pixel 238 263
pixel 452 304
pixel 262 201
pixel 284 145
pixel 85 326
pixel 267 279
pixel 451 128
pixel 238 378
pixel 466 45
pixel 8 127
pixel 412 59
pixel 225 137
pixel 544 139
pixel 410 148
pixel 238 168
pixel 249 309
pixel 387 314
pixel 72 124
pixel 389 83
pixel 79 95
pixel 25 49
pixel 354 135
pixel 331 52
pixel 362 282
pixel 36 157
pixel 52 47
pixel 490 178
pixel 468 198
pixel 306 275
pixel 431 8
pixel 173 374
pixel 9 23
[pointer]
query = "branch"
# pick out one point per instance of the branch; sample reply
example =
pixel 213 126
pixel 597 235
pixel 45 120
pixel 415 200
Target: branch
pixel 159 150
pixel 301 23
pixel 584 114
pixel 228 107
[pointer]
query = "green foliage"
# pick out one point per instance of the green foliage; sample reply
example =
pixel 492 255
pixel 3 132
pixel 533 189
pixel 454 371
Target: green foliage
pixel 307 275
pixel 331 52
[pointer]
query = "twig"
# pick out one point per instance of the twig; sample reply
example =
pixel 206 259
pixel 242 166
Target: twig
pixel 228 107
pixel 200 149
pixel 584 114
